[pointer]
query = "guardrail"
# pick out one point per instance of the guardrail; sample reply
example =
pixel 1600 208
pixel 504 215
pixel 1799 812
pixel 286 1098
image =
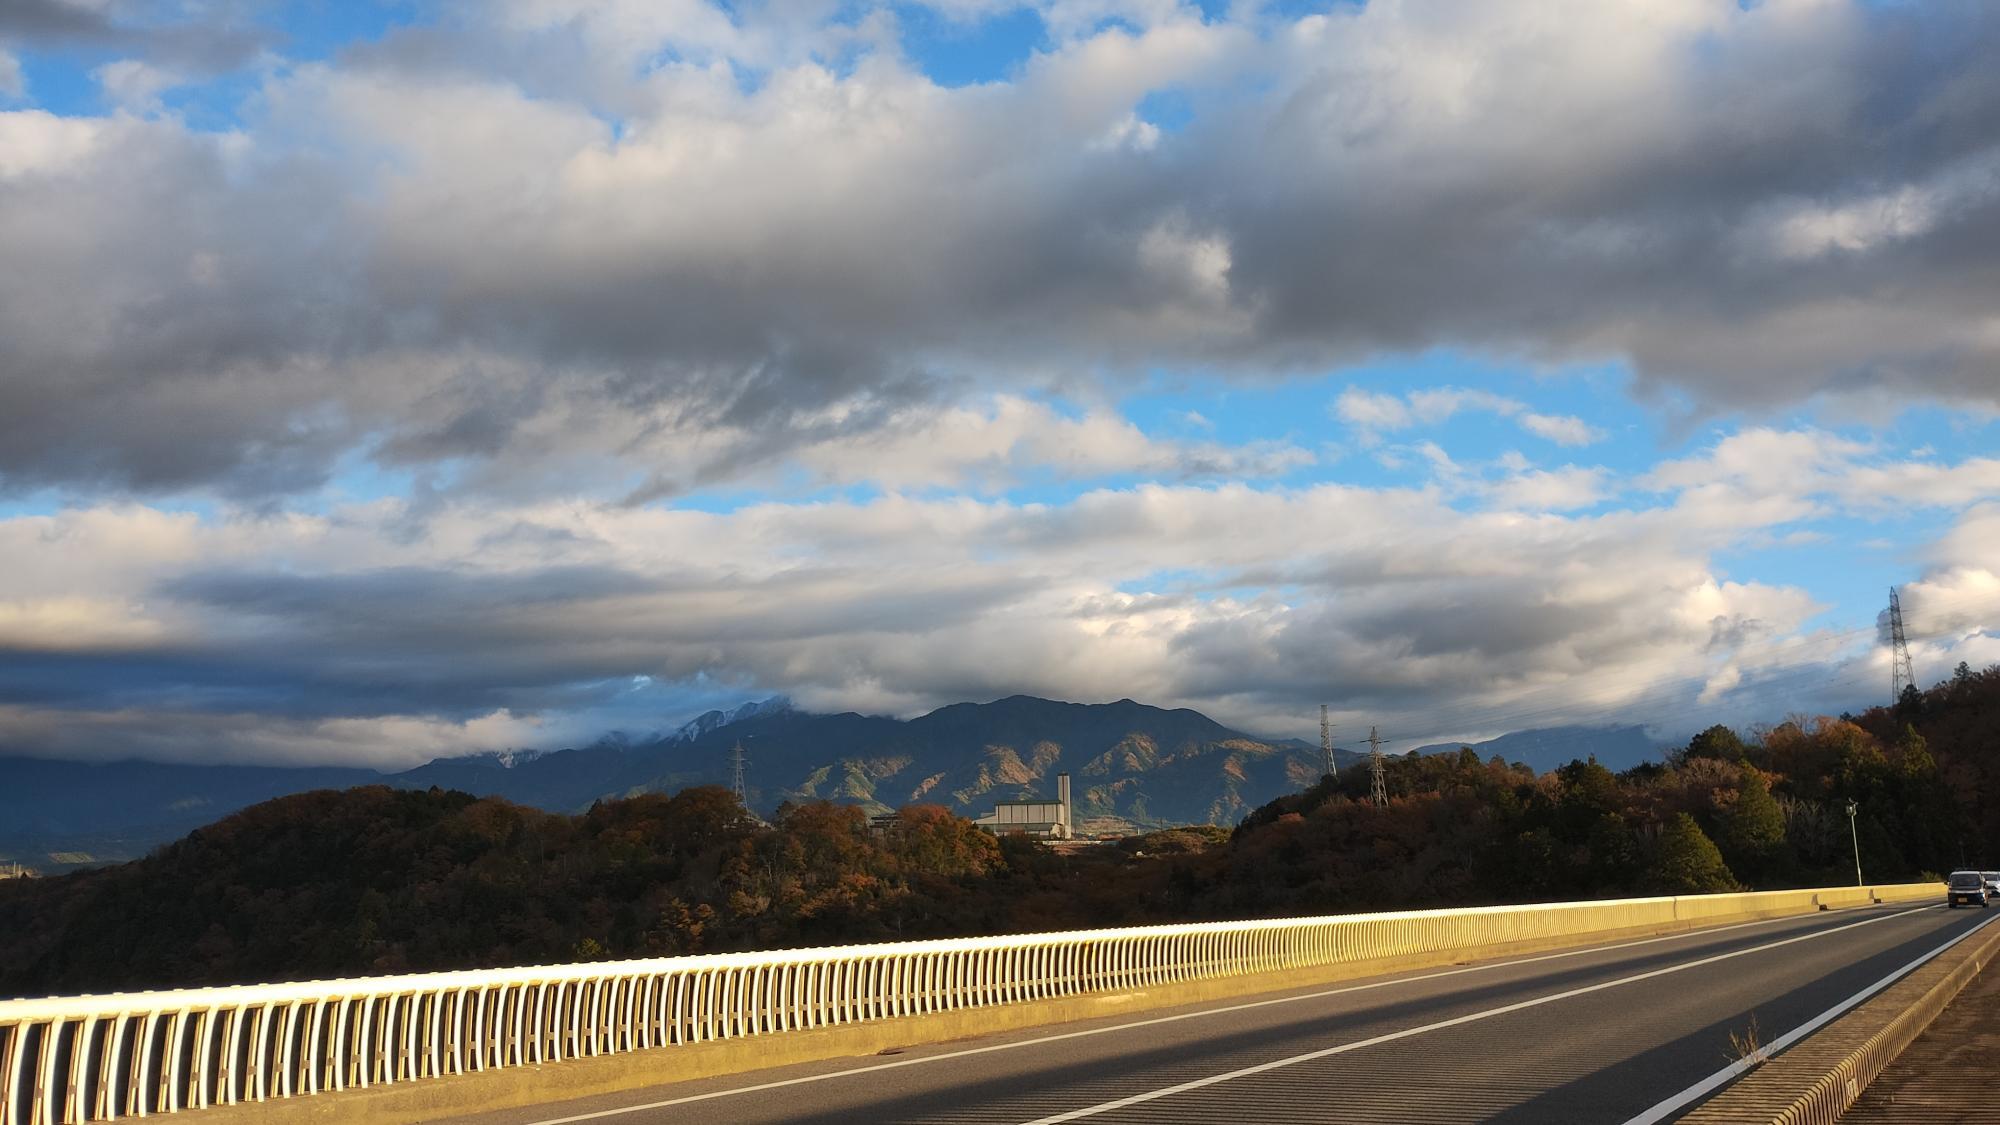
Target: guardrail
pixel 98 1058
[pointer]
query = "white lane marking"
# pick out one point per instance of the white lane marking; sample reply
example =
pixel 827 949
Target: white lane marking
pixel 1156 1020
pixel 1456 1021
pixel 1676 1103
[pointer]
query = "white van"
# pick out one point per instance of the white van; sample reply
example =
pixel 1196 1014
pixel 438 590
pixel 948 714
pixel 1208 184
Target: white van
pixel 1968 887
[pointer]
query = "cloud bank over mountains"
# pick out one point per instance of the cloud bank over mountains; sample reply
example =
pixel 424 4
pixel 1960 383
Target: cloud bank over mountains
pixel 358 429
pixel 337 637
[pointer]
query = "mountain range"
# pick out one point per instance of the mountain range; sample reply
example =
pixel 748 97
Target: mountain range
pixel 1132 766
pixel 1615 748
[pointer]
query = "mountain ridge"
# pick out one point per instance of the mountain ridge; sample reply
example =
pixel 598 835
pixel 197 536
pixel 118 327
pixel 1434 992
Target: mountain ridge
pixel 1545 748
pixel 1134 766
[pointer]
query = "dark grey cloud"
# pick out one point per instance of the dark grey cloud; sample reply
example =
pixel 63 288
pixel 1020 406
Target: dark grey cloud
pixel 205 39
pixel 53 19
pixel 457 645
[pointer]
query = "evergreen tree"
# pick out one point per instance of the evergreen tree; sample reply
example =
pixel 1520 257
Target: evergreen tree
pixel 1717 741
pixel 1913 754
pixel 1688 861
pixel 1753 834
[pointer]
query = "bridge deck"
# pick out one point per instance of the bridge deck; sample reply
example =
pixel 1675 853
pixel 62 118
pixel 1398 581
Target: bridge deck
pixel 1598 1035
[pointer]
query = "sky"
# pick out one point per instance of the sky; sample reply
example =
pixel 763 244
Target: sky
pixel 381 381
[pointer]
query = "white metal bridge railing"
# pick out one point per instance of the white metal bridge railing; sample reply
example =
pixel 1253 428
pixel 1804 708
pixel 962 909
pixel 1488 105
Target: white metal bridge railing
pixel 98 1058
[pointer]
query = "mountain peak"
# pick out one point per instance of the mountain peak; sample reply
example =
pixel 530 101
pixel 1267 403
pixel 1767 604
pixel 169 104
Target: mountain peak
pixel 715 720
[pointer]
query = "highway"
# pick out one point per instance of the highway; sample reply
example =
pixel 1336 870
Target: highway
pixel 1634 1031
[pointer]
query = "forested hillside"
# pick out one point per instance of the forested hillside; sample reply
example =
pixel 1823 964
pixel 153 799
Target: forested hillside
pixel 376 880
pixel 1764 810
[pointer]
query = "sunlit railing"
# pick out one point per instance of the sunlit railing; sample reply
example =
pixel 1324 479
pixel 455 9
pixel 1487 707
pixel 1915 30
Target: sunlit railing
pixel 98 1058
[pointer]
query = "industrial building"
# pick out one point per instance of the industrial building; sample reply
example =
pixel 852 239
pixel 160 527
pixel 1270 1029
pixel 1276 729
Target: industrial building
pixel 1039 817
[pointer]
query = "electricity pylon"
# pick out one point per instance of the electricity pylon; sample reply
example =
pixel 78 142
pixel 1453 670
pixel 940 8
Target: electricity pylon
pixel 1902 673
pixel 1378 790
pixel 1326 764
pixel 738 758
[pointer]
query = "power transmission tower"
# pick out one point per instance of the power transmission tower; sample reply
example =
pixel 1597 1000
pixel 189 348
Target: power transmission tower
pixel 1326 765
pixel 1377 770
pixel 738 758
pixel 1902 673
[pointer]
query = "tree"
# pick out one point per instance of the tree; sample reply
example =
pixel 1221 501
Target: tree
pixel 1717 741
pixel 1913 755
pixel 1753 833
pixel 1588 787
pixel 1688 862
pixel 930 840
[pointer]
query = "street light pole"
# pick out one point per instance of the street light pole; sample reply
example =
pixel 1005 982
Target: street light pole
pixel 1855 835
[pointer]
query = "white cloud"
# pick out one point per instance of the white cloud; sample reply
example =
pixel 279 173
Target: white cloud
pixel 1762 469
pixel 38 143
pixel 1974 539
pixel 1441 403
pixel 1924 484
pixel 1011 438
pixel 1719 685
pixel 13 82
pixel 1129 132
pixel 1372 412
pixel 1953 603
pixel 1563 489
pixel 1562 429
pixel 1812 231
pixel 134 84
pixel 1761 461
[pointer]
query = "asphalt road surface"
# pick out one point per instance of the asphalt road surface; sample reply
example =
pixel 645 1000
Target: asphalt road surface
pixel 1635 1031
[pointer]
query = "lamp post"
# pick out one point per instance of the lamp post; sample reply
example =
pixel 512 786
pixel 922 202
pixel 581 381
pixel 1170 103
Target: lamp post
pixel 1855 835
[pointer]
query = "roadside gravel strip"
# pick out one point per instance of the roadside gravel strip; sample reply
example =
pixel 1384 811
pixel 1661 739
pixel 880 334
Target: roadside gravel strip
pixel 1926 1084
pixel 1815 1083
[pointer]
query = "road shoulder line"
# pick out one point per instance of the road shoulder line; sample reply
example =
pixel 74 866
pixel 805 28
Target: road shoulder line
pixel 1816 1081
